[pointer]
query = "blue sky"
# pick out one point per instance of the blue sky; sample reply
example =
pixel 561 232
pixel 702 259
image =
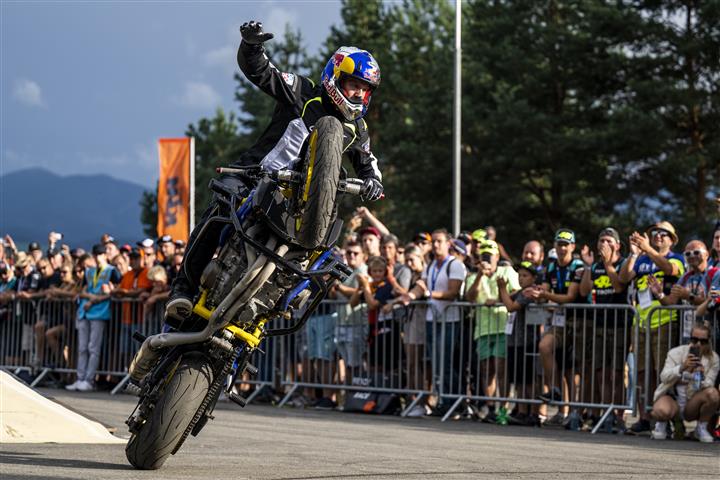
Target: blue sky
pixel 89 87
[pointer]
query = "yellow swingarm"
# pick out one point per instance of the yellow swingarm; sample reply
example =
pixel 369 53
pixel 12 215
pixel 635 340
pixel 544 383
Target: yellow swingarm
pixel 253 339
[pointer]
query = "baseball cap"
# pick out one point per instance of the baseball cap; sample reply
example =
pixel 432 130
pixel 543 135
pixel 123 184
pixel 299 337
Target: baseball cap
pixel 465 237
pixel 179 243
pixel 126 248
pixel 77 252
pixel 610 232
pixel 479 235
pixel 106 238
pixel 370 231
pixel 458 246
pixel 165 239
pixel 529 267
pixel 488 246
pixel 98 249
pixel 422 237
pixel 34 246
pixel 565 235
pixel 147 243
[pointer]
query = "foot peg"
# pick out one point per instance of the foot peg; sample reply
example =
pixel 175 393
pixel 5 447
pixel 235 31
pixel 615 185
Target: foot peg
pixel 251 369
pixel 240 400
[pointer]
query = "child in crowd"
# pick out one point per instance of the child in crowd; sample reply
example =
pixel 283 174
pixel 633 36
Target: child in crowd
pixel 521 340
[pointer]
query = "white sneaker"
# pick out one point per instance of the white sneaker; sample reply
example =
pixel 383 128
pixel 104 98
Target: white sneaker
pixel 417 411
pixel 85 387
pixel 73 386
pixel 703 435
pixel 660 431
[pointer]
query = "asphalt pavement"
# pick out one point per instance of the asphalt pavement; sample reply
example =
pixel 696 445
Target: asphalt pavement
pixel 264 442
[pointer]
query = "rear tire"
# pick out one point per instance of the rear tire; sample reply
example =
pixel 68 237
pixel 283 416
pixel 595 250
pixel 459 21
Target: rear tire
pixel 183 395
pixel 322 175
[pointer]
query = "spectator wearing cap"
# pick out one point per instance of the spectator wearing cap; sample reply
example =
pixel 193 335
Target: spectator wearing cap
pixel 35 251
pixel 133 283
pixel 93 315
pixel 478 236
pixel 180 247
pixel 458 249
pixel 441 285
pixel 424 241
pixel 521 340
pixel 651 255
pixel 148 248
pixel 28 278
pixel 370 240
pixel 561 285
pixel 601 283
pixel 490 318
pixel 167 252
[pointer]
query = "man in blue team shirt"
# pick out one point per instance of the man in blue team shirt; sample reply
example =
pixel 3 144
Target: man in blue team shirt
pixel 651 255
pixel 92 315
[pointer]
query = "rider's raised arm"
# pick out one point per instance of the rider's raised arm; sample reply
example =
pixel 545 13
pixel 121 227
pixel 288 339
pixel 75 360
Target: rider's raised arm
pixel 257 67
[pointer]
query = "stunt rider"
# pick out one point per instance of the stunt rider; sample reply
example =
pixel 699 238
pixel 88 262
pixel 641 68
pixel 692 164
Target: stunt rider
pixel 346 86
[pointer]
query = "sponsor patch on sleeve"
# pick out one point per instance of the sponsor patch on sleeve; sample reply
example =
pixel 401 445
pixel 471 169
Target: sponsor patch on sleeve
pixel 289 78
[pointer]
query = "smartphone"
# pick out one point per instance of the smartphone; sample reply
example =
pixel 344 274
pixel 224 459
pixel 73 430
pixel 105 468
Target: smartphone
pixel 695 351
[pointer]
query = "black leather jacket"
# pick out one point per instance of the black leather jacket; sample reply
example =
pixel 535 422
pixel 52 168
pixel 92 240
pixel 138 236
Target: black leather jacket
pixel 300 103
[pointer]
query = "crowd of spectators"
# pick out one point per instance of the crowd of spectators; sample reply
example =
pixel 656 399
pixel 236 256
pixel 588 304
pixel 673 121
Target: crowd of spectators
pixel 425 278
pixel 38 289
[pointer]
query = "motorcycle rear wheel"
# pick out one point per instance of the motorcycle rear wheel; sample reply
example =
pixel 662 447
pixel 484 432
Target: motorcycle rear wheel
pixel 183 395
pixel 322 175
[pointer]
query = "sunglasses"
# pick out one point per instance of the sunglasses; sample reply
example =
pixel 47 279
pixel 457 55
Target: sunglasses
pixel 701 341
pixel 693 253
pixel 662 233
pixel 351 253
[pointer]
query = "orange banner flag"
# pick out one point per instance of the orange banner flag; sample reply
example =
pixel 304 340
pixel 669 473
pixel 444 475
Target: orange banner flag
pixel 174 188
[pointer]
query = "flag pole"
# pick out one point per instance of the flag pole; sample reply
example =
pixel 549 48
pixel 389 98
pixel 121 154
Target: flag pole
pixel 192 185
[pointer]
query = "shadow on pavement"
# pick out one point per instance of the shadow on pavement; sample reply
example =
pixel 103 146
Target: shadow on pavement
pixel 35 459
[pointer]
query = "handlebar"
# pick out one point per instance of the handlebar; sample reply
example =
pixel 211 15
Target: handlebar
pixel 353 186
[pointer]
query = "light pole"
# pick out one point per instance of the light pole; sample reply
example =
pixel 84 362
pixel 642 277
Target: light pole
pixel 457 117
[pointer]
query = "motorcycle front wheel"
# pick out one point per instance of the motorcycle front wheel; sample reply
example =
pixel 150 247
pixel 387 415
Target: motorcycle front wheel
pixel 173 412
pixel 322 175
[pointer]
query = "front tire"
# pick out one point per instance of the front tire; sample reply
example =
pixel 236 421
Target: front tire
pixel 183 395
pixel 322 175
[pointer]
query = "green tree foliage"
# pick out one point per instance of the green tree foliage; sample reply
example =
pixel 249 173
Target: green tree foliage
pixel 217 143
pixel 149 212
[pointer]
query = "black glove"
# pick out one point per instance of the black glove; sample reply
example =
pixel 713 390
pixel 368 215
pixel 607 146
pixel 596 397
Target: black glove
pixel 372 189
pixel 252 33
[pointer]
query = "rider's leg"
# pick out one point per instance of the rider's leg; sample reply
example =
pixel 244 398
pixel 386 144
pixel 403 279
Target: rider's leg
pixel 199 251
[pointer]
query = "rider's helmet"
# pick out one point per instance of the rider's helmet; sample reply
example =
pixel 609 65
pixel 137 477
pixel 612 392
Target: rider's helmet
pixel 350 62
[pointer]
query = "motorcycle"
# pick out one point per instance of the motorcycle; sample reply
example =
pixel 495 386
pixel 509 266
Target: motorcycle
pixel 274 259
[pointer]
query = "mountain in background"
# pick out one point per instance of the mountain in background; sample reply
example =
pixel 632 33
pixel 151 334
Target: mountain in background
pixel 35 201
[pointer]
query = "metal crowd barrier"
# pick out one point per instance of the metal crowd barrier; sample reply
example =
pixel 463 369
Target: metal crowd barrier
pixel 591 353
pixel 663 329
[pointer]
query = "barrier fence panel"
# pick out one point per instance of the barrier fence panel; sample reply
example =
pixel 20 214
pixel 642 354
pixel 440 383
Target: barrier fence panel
pixel 345 349
pixel 662 329
pixel 575 356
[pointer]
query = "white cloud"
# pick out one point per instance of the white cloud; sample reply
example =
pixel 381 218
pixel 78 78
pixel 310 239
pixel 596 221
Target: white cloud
pixel 198 95
pixel 222 56
pixel 28 92
pixel 277 18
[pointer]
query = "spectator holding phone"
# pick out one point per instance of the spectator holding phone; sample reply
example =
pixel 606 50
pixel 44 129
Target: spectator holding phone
pixel 687 387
